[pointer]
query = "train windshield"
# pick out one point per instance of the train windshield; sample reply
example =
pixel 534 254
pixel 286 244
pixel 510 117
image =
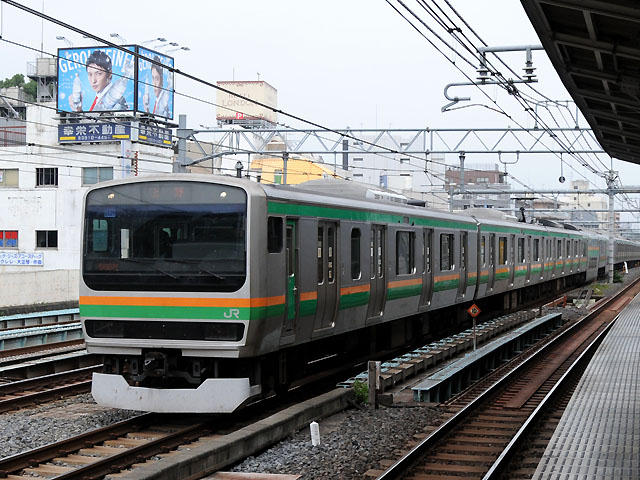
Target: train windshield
pixel 165 236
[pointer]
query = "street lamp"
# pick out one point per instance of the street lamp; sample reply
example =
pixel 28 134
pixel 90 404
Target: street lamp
pixel 65 40
pixel 186 49
pixel 158 39
pixel 117 35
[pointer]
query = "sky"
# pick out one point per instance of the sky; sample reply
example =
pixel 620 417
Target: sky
pixel 342 63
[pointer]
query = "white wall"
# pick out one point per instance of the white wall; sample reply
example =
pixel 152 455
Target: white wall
pixel 28 208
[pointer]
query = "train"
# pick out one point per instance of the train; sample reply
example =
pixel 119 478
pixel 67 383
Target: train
pixel 204 293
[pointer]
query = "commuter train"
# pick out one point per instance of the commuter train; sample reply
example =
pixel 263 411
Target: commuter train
pixel 204 293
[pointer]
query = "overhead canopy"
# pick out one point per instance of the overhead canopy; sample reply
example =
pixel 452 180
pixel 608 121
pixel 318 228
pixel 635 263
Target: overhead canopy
pixel 595 48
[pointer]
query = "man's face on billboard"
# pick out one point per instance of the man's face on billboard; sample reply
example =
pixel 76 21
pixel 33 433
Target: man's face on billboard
pixel 98 77
pixel 156 79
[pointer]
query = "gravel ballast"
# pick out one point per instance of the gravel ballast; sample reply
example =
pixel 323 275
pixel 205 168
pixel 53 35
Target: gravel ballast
pixel 27 429
pixel 352 442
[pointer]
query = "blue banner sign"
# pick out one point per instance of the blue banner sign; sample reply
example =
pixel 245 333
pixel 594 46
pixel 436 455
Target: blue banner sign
pixel 93 132
pixel 154 135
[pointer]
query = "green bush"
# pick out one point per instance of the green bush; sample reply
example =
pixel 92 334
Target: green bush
pixel 361 391
pixel 617 277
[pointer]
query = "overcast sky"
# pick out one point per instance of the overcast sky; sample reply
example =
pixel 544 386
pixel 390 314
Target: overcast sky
pixel 338 63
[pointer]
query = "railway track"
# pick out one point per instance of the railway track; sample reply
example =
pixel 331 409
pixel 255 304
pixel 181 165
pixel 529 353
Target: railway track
pixel 102 451
pixel 30 391
pixel 33 352
pixel 489 421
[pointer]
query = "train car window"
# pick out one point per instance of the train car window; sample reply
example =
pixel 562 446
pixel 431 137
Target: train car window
pixel 290 251
pixel 463 250
pixel 492 249
pixel 521 250
pixel 446 252
pixel 331 237
pixel 483 252
pixel 502 250
pixel 320 255
pixel 373 255
pixel 405 253
pixel 274 234
pixel 428 238
pixel 559 251
pixel 536 249
pixel 380 252
pixel 355 253
pixel 568 248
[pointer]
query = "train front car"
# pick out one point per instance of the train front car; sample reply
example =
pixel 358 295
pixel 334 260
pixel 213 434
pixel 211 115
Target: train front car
pixel 165 292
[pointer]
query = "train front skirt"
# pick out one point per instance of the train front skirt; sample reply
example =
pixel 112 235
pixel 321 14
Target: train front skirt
pixel 219 395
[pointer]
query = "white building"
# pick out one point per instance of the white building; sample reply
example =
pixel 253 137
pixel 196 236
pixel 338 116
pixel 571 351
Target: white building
pixel 42 183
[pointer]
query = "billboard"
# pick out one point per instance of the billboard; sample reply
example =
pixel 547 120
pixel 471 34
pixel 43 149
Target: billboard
pixel 106 79
pixel 155 84
pixel 233 109
pixel 96 79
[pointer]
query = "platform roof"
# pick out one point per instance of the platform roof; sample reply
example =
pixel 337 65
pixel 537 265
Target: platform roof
pixel 594 46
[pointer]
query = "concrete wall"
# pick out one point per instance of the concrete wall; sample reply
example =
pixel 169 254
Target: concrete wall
pixel 28 207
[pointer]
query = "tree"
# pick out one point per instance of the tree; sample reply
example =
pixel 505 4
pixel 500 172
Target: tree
pixel 17 80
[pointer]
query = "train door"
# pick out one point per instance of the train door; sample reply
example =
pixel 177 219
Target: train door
pixel 427 269
pixel 293 298
pixel 528 256
pixel 327 275
pixel 512 258
pixel 464 249
pixel 378 268
pixel 492 261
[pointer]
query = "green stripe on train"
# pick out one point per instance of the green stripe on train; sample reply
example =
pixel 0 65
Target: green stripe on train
pixel 402 292
pixel 361 215
pixel 354 300
pixel 144 311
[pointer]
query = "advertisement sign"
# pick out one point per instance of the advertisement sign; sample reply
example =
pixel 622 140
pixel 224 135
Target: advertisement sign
pixel 93 132
pixel 154 135
pixel 155 84
pixel 96 79
pixel 22 258
pixel 234 109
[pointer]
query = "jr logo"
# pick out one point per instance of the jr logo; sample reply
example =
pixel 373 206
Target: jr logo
pixel 232 313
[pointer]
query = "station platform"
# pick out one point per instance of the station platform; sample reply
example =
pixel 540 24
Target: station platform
pixel 598 436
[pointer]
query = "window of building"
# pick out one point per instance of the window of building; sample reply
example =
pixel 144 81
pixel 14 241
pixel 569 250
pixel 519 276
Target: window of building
pixel 47 238
pixel 91 175
pixel 274 234
pixel 405 258
pixel 502 250
pixel 355 253
pixel 521 250
pixel 357 159
pixel 8 177
pixel 358 175
pixel 404 160
pixel 8 239
pixel 446 252
pixel 46 177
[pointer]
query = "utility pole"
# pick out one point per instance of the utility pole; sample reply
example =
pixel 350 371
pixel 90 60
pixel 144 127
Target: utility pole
pixel 611 179
pixel 183 133
pixel 285 159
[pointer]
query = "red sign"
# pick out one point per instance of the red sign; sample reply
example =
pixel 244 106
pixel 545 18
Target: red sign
pixel 473 310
